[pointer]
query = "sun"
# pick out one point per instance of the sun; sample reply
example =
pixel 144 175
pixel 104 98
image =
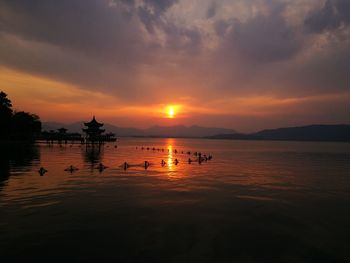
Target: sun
pixel 170 111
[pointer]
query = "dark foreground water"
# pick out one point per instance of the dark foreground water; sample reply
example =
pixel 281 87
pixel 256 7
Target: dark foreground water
pixel 254 202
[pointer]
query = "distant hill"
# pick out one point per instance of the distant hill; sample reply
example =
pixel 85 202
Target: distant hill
pixel 305 133
pixel 184 131
pixel 154 131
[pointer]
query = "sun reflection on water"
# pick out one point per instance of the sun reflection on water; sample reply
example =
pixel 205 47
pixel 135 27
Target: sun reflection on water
pixel 170 157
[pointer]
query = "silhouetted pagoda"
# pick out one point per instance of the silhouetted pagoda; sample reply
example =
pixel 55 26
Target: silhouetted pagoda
pixel 94 133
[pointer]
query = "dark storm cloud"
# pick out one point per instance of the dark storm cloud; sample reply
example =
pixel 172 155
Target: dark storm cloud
pixel 221 27
pixel 263 38
pixel 88 26
pixel 175 37
pixel 56 63
pixel 151 12
pixel 107 31
pixel 267 54
pixel 211 9
pixel 160 5
pixel 96 44
pixel 148 19
pixel 326 71
pixel 332 15
pixel 106 45
pixel 183 39
pixel 146 52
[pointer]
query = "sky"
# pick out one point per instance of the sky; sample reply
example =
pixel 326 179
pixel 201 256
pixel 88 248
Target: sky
pixel 241 64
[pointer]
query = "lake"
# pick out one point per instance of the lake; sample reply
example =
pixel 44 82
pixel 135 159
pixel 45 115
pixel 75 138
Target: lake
pixel 255 201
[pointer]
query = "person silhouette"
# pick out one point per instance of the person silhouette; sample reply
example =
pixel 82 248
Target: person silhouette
pixel 101 167
pixel 42 171
pixel 125 165
pixel 71 169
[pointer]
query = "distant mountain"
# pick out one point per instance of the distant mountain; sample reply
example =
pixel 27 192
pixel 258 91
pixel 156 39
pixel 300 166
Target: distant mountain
pixel 305 133
pixel 123 132
pixel 235 136
pixel 73 127
pixel 154 131
pixel 184 131
pixel 48 126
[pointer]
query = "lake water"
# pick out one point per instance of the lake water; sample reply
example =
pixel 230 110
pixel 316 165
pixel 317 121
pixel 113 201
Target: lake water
pixel 255 201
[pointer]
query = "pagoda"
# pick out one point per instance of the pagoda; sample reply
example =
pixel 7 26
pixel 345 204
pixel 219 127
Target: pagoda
pixel 93 130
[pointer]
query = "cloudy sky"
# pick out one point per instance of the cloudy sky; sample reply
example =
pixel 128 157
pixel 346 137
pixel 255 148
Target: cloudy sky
pixel 242 64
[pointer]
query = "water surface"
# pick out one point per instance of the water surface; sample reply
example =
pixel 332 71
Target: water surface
pixel 254 202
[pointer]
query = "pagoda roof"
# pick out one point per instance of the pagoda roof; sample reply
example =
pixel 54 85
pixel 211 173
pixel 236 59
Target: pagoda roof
pixel 93 123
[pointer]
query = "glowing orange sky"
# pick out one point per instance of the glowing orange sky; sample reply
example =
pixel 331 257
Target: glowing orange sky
pixel 245 65
pixel 63 102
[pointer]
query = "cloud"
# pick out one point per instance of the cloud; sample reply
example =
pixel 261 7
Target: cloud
pixel 158 51
pixel 87 26
pixel 211 9
pixel 160 5
pixel 92 43
pixel 333 14
pixel 151 11
pixel 264 38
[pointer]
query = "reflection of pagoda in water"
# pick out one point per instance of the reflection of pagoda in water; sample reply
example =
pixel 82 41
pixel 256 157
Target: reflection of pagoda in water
pixel 94 132
pixel 92 156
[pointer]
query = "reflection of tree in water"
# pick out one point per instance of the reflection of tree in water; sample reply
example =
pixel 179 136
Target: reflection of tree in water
pixel 92 154
pixel 16 156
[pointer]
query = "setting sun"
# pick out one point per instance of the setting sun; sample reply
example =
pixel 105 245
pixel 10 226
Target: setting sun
pixel 171 112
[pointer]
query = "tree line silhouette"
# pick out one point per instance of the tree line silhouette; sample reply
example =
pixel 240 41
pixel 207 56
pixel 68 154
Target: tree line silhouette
pixel 17 125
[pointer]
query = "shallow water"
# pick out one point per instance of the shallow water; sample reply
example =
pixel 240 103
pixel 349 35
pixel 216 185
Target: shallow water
pixel 254 202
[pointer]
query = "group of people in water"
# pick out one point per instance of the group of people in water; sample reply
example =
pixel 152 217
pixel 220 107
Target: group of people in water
pixel 199 157
pixel 70 169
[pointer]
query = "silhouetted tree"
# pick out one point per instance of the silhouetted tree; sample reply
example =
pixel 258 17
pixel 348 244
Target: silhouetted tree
pixel 19 125
pixel 5 115
pixel 25 125
pixel 5 103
